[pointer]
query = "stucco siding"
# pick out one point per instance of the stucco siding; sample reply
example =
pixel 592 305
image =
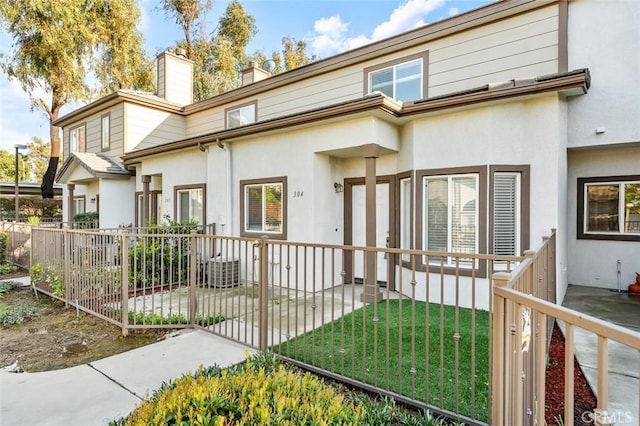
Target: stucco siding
pixel 613 102
pixel 594 262
pixel 514 133
pixel 116 193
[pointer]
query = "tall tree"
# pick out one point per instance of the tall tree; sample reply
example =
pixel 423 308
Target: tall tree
pixel 38 157
pixel 8 167
pixel 238 27
pixel 186 13
pixel 54 45
pixel 123 63
pixel 294 53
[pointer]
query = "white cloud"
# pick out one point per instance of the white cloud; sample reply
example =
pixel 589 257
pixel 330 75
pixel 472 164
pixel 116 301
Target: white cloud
pixel 405 17
pixel 331 36
pixel 453 11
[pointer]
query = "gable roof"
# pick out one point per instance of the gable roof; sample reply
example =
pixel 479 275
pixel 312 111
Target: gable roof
pixel 130 96
pixel 97 165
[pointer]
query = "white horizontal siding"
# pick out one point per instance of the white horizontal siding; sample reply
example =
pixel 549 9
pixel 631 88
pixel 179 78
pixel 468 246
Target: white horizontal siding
pixel 148 127
pixel 116 121
pixel 525 45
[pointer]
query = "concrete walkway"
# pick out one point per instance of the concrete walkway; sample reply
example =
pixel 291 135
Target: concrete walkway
pixel 104 390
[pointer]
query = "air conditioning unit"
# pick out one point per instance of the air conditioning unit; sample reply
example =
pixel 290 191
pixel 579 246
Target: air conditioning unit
pixel 223 272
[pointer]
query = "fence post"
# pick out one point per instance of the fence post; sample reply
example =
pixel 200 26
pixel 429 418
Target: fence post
pixel 264 293
pixel 499 369
pixel 66 238
pixel 193 265
pixel 124 298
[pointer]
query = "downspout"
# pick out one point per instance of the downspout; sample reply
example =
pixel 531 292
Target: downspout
pixel 227 223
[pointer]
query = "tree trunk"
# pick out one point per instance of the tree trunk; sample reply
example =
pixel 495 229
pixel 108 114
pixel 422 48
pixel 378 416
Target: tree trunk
pixel 50 175
pixel 49 178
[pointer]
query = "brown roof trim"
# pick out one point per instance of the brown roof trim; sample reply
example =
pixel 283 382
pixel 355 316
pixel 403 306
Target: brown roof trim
pixel 114 99
pixel 473 18
pixel 371 102
pixel 571 83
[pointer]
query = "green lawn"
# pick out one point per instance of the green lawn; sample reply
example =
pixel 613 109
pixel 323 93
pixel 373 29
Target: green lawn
pixel 418 355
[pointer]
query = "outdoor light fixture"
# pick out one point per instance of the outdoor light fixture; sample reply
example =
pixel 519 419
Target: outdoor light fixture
pixel 16 191
pixel 338 187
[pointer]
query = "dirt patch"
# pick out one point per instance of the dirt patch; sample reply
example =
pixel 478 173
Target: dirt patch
pixel 56 337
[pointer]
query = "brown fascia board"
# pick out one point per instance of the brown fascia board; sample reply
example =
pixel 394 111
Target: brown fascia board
pixel 114 99
pixel 371 102
pixel 570 83
pixel 464 21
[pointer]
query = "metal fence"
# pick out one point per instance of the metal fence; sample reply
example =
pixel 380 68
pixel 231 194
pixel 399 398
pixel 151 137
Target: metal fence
pixel 524 313
pixel 18 242
pixel 426 342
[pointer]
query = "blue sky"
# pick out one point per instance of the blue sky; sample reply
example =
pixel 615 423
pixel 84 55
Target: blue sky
pixel 328 26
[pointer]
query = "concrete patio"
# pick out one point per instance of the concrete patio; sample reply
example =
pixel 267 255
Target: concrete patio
pixel 622 309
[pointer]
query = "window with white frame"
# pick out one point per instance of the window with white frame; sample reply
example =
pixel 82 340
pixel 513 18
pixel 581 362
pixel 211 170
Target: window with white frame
pixel 190 204
pixel 105 132
pixel 240 116
pixel 403 81
pixel 506 213
pixel 264 207
pixel 79 205
pixel 609 208
pixel 155 210
pixel 406 228
pixel 77 139
pixel 450 214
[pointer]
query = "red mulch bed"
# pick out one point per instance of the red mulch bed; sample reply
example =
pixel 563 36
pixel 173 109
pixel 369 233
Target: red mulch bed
pixel 584 399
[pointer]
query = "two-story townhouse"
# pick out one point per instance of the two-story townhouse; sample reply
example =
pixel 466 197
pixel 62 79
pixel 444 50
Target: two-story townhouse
pixel 462 135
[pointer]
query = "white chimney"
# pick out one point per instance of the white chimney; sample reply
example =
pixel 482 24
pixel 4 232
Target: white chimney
pixel 175 77
pixel 253 74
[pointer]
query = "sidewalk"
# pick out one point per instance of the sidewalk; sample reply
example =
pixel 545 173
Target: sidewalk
pixel 104 390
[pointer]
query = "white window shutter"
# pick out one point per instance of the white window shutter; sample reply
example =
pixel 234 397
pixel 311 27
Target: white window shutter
pixel 505 214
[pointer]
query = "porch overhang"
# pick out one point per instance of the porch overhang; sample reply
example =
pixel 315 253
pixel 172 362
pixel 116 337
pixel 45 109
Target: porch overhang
pixel 85 167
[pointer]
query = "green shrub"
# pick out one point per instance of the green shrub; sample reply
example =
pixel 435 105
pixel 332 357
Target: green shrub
pixel 86 220
pixel 161 258
pixel 16 315
pixel 248 395
pixel 6 268
pixel 50 274
pixel 4 244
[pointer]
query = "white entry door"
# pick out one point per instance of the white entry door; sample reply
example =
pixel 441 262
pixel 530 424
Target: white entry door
pixel 359 237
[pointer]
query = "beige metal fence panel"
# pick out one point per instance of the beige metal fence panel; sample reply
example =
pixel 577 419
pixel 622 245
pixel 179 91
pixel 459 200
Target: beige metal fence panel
pixel 18 242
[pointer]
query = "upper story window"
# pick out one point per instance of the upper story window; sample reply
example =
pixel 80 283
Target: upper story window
pixel 263 207
pixel 240 115
pixel 189 203
pixel 609 208
pixel 77 139
pixel 105 132
pixel 402 80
